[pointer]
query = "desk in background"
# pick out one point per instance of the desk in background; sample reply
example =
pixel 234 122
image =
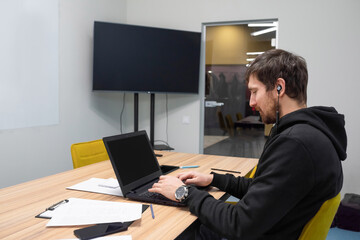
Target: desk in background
pixel 253 122
pixel 20 204
pixel 249 121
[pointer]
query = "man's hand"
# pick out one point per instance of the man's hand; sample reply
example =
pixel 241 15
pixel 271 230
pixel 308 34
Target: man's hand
pixel 196 178
pixel 167 186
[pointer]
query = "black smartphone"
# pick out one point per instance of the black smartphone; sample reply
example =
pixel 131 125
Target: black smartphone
pixel 99 230
pixel 168 168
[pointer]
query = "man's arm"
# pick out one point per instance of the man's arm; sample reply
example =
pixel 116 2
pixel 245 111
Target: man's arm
pixel 167 185
pixel 196 178
pixel 283 180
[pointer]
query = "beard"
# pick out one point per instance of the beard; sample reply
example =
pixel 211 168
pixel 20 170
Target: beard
pixel 268 113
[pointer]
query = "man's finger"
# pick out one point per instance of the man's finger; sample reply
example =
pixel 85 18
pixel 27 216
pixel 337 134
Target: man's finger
pixel 154 189
pixel 190 181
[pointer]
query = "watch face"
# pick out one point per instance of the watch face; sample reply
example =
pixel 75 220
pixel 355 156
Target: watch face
pixel 180 193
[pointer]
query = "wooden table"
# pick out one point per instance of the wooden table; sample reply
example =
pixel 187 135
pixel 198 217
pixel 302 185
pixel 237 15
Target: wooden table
pixel 20 204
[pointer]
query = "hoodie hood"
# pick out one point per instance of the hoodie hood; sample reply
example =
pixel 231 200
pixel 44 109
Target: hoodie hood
pixel 326 119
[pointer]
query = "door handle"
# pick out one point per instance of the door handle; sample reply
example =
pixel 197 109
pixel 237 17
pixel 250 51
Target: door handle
pixel 213 104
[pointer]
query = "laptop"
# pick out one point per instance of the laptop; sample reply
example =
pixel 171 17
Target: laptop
pixel 136 167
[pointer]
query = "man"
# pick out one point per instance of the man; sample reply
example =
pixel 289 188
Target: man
pixel 299 169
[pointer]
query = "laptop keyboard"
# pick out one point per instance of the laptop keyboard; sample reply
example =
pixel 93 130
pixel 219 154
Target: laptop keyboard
pixel 153 195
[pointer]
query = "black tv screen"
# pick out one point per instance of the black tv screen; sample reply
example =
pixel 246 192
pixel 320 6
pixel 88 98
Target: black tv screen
pixel 145 59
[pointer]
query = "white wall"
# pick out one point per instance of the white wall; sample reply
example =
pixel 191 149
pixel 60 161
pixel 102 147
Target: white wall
pixel 324 32
pixel 30 153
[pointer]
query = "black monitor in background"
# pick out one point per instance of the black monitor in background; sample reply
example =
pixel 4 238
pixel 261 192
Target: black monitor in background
pixel 145 59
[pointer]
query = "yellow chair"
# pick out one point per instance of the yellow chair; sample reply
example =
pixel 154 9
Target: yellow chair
pixel 318 227
pixel 86 153
pixel 252 174
pixel 267 129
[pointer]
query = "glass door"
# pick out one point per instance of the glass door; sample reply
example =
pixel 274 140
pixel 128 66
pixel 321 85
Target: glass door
pixel 229 49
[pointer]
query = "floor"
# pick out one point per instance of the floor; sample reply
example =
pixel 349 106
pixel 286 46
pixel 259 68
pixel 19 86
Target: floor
pixel 211 140
pixel 246 143
pixel 341 234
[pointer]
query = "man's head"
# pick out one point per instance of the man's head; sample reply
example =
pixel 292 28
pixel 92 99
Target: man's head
pixel 270 69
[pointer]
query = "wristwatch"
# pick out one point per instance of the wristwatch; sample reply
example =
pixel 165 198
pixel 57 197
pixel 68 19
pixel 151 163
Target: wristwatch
pixel 181 193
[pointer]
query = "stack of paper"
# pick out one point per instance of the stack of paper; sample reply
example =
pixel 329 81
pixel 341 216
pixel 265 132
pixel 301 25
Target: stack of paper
pixel 83 212
pixel 107 186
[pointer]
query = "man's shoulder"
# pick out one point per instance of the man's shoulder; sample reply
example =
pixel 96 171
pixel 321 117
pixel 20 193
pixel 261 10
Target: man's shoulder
pixel 302 130
pixel 310 137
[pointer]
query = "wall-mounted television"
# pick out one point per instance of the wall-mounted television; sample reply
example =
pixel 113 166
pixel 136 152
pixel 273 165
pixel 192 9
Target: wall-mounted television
pixel 145 59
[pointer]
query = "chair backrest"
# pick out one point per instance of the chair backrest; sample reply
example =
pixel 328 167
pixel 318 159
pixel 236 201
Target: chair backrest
pixel 239 116
pixel 221 120
pixel 229 124
pixel 86 153
pixel 318 227
pixel 252 174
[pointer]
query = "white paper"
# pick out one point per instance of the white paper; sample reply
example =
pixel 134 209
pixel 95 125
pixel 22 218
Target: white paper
pixel 110 183
pixel 99 185
pixel 83 212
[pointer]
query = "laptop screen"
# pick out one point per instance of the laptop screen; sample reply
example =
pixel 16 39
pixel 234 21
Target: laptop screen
pixel 133 159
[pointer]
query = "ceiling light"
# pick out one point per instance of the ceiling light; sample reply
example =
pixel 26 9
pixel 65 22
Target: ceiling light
pixel 254 53
pixel 274 24
pixel 267 30
pixel 250 59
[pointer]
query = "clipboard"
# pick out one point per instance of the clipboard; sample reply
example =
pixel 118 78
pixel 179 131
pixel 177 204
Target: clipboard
pixel 48 213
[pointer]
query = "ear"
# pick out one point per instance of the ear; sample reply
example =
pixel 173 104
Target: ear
pixel 280 84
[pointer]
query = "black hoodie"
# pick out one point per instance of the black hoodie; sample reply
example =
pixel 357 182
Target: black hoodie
pixel 299 169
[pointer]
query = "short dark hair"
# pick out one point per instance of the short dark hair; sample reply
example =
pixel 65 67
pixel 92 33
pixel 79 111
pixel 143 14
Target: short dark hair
pixel 278 63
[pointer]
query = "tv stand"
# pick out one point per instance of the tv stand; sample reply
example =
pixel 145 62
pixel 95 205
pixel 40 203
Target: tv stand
pixel 152 121
pixel 136 112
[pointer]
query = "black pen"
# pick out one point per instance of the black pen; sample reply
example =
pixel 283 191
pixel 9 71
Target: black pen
pixel 224 170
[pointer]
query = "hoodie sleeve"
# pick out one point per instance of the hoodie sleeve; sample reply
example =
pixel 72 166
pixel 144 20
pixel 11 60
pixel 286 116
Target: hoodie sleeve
pixel 278 186
pixel 236 186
